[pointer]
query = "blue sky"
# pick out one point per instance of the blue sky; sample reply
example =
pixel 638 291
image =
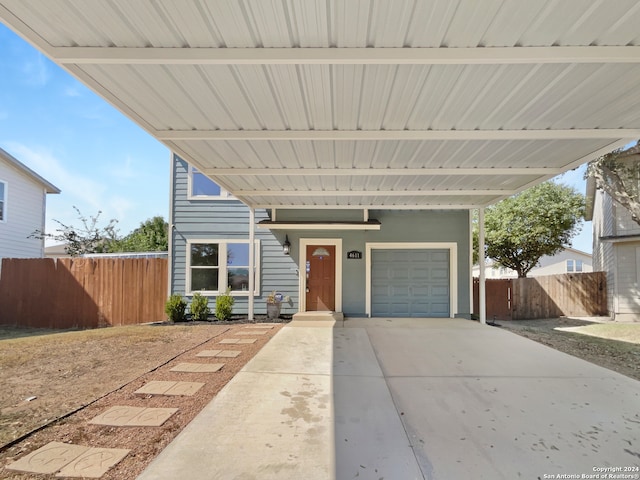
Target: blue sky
pixel 100 159
pixel 97 157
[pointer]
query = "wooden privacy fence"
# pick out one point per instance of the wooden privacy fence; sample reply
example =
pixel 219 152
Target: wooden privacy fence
pixel 569 294
pixel 82 292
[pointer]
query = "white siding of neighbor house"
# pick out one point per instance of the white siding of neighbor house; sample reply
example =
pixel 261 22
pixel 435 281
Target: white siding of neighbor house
pixel 548 265
pixel 24 213
pixel 604 252
pixel 627 258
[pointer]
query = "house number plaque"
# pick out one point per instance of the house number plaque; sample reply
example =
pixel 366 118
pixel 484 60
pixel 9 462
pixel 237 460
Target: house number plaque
pixel 354 254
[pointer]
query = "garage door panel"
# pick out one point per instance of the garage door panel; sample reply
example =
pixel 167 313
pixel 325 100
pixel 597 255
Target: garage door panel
pixel 410 283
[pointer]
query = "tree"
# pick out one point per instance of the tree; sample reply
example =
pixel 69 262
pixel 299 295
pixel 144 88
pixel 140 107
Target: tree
pixel 150 236
pixel 539 221
pixel 618 174
pixel 88 238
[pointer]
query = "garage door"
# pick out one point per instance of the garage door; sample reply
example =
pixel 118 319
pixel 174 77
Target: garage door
pixel 410 283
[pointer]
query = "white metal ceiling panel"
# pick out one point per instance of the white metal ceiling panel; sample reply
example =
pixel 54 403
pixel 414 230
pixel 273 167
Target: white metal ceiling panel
pixel 413 102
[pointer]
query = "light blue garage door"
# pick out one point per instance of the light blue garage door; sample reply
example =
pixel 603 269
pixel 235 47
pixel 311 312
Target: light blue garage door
pixel 410 283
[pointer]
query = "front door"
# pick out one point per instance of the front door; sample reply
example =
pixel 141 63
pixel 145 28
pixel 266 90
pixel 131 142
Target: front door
pixel 321 278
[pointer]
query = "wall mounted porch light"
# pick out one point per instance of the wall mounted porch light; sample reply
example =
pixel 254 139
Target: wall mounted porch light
pixel 286 246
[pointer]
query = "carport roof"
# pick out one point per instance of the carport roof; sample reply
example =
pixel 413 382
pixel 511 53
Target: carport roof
pixel 359 104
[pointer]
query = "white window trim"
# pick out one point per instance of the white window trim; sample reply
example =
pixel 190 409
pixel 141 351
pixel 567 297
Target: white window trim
pixel 302 287
pixel 453 267
pixel 224 194
pixel 573 265
pixel 4 201
pixel 222 269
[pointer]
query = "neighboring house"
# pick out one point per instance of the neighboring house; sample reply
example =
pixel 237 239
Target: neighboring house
pixel 568 260
pixel 616 251
pixel 23 199
pixel 357 262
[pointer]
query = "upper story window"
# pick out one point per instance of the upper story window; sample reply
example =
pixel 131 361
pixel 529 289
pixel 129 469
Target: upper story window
pixel 202 187
pixel 574 265
pixel 3 201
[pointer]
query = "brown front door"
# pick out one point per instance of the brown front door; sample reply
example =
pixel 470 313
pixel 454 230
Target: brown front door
pixel 321 277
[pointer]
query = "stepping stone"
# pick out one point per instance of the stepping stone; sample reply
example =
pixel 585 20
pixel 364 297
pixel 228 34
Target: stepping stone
pixel 260 327
pixel 198 367
pixel 48 459
pixel 157 387
pixel 238 341
pixel 134 417
pixel 94 463
pixel 70 460
pixel 208 353
pixel 254 332
pixel 219 353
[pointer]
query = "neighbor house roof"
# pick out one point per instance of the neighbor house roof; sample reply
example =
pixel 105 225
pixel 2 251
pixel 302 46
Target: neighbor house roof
pixel 367 104
pixel 11 160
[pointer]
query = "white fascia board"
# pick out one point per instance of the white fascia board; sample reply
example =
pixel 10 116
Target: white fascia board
pixel 319 226
pixel 370 207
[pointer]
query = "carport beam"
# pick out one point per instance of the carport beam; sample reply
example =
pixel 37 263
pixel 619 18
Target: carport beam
pixel 482 307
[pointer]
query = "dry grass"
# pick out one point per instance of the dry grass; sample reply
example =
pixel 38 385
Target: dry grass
pixel 65 370
pixel 623 332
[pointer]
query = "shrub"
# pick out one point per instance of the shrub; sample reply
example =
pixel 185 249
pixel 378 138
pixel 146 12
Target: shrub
pixel 199 307
pixel 175 308
pixel 224 305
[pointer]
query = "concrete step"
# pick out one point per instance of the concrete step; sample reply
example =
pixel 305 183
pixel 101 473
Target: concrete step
pixel 315 316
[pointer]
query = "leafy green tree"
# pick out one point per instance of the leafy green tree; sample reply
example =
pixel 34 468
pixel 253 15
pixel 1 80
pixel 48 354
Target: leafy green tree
pixel 618 174
pixel 150 236
pixel 89 237
pixel 539 221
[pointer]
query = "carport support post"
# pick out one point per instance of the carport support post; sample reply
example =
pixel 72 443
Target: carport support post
pixel 482 301
pixel 252 261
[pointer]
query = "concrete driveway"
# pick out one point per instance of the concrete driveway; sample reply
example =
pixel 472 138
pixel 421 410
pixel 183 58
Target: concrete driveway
pixel 410 399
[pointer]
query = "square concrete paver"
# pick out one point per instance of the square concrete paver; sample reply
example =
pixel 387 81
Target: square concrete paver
pixel 208 353
pixel 238 341
pixel 198 367
pixel 93 463
pixel 48 459
pixel 219 353
pixel 121 416
pixel 254 332
pixel 157 387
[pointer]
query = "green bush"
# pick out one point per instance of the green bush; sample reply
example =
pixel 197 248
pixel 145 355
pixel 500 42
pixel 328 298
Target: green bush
pixel 199 307
pixel 224 305
pixel 175 308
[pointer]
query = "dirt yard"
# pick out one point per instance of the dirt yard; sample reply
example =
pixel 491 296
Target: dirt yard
pixel 47 375
pixel 615 346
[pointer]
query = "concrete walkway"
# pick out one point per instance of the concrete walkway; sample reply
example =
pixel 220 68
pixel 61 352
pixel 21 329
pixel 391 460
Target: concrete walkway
pixel 409 399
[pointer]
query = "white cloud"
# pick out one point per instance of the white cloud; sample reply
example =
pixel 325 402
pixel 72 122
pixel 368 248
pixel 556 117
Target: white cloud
pixel 72 92
pixel 36 71
pixel 124 171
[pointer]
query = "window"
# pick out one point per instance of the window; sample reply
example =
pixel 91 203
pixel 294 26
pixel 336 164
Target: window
pixel 578 265
pixel 214 265
pixel 570 266
pixel 3 201
pixel 202 187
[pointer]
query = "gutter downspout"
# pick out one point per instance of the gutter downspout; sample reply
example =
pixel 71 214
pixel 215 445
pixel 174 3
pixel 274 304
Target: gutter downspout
pixel 482 300
pixel 171 226
pixel 252 262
